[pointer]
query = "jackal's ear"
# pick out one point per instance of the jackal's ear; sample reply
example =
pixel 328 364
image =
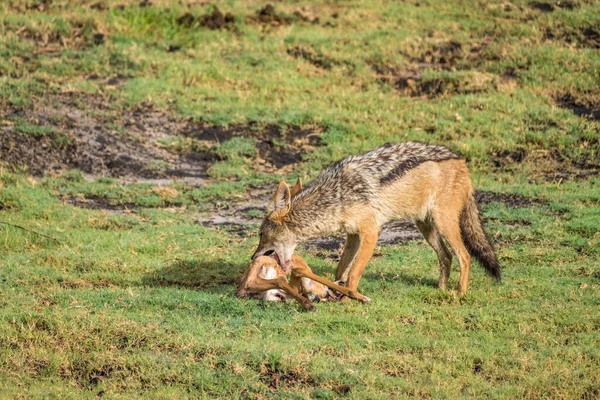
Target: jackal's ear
pixel 297 187
pixel 281 203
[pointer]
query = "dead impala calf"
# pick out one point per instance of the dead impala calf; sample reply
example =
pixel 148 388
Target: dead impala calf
pixel 264 279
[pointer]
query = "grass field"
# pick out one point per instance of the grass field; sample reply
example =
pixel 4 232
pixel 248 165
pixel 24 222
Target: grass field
pixel 139 142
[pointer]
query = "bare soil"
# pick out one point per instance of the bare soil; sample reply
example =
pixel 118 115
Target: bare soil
pixel 312 56
pixel 86 134
pixel 583 37
pixel 583 106
pixel 548 7
pixel 214 20
pixel 269 16
pixel 411 82
pixel 551 165
pixel 281 147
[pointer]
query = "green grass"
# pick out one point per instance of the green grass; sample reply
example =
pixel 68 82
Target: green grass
pixel 138 301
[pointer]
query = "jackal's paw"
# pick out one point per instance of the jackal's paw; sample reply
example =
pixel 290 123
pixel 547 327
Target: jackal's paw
pixel 310 307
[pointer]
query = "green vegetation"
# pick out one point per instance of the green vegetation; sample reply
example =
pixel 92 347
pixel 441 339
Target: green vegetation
pixel 135 297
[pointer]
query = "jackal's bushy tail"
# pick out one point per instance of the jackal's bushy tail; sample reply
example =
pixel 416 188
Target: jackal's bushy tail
pixel 476 240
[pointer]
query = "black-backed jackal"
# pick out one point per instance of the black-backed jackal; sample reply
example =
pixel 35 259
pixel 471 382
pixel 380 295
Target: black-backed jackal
pixel 425 183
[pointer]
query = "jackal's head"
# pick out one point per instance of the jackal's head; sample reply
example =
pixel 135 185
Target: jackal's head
pixel 275 236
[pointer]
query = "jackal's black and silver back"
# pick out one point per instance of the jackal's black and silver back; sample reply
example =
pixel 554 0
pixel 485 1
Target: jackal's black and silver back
pixel 358 178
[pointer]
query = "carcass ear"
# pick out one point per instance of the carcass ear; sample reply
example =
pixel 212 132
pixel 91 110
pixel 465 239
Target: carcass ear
pixel 297 187
pixel 281 203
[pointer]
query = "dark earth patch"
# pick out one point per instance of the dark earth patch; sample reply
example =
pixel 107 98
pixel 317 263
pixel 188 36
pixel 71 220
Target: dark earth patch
pixel 92 202
pixel 98 203
pixel 416 79
pixel 504 158
pixel 452 55
pixel 76 35
pixel 268 16
pixel 83 132
pixel 554 165
pixel 414 84
pixel 587 106
pixel 274 376
pixel 278 146
pixel 552 6
pixel 567 167
pixel 316 58
pixel 213 20
pixel 541 6
pixel 510 200
pixel 583 37
pixel 92 146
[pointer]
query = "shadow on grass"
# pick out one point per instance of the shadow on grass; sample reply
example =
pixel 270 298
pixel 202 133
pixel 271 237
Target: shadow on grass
pixel 403 278
pixel 196 274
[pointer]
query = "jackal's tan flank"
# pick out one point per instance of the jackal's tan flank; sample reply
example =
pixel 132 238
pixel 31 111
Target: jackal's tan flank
pixel 425 183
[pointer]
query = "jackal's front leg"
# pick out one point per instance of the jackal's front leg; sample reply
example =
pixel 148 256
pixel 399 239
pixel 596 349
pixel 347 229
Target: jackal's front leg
pixel 368 241
pixel 350 251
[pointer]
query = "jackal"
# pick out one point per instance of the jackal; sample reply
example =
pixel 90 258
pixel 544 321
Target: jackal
pixel 425 183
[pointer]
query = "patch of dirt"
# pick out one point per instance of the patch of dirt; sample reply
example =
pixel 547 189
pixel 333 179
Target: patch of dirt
pixel 92 147
pixel 414 84
pixel 267 16
pixel 510 200
pixel 541 6
pixel 214 20
pixel 416 80
pixel 277 146
pixel 452 55
pixel 100 141
pixel 551 165
pixel 92 202
pixel 587 106
pixel 275 377
pixel 506 158
pixel 444 54
pixel 583 37
pixel 555 5
pixel 313 56
pixel 97 203
pixel 99 6
pixel 79 34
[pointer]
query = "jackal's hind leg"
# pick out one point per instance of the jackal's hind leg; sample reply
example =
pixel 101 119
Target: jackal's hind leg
pixel 433 237
pixel 450 230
